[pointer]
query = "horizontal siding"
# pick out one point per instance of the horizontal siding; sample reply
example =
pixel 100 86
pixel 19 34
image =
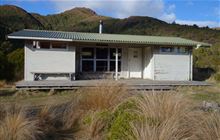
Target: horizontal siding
pixel 48 61
pixel 172 67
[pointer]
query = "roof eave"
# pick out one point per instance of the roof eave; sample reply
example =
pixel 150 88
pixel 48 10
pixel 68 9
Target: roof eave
pixel 203 45
pixel 99 41
pixel 37 38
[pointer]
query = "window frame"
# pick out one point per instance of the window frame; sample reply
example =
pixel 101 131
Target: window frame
pixel 94 59
pixel 175 50
pixel 64 48
pixel 167 52
pixel 186 50
pixel 37 45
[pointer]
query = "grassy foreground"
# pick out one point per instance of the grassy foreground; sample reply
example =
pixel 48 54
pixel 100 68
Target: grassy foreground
pixel 109 111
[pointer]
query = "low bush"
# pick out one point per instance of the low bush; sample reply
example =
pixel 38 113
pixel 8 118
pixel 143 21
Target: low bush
pixel 119 127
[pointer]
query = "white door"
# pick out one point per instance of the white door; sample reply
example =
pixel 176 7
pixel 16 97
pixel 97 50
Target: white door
pixel 135 62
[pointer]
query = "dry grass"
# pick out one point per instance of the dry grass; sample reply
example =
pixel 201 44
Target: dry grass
pixel 165 117
pixel 17 126
pixel 2 84
pixel 97 126
pixel 89 100
pixel 51 123
pixel 104 96
pixel 208 127
pixel 93 112
pixel 170 116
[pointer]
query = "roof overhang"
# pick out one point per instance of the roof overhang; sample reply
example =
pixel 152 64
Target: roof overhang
pixel 103 38
pixel 38 38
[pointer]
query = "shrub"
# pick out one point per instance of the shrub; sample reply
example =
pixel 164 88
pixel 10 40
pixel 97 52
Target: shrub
pixel 99 124
pixel 119 127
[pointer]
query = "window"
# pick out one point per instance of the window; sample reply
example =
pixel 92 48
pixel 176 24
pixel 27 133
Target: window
pixel 112 65
pixel 87 66
pixel 182 50
pixel 44 45
pixel 88 53
pixel 101 65
pixel 167 49
pixel 101 53
pixel 113 52
pixel 99 59
pixel 59 45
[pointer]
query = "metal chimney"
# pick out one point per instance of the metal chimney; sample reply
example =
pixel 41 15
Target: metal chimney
pixel 100 26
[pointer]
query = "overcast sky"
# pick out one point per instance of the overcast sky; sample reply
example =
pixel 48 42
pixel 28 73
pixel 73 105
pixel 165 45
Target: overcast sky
pixel 200 12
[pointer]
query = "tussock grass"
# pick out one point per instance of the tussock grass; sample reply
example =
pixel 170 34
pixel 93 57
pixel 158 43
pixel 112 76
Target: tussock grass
pixel 104 96
pixel 17 126
pixel 2 83
pixel 98 124
pixel 165 117
pixel 108 111
pixel 90 102
pixel 51 123
pixel 208 127
pixel 170 116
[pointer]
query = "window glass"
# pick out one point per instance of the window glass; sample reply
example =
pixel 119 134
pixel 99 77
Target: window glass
pixel 112 65
pixel 59 45
pixel 167 49
pixel 101 66
pixel 101 53
pixel 113 51
pixel 182 50
pixel 88 53
pixel 87 65
pixel 45 45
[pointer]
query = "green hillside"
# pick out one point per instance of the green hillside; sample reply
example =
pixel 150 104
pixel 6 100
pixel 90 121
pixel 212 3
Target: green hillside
pixel 13 18
pixel 77 19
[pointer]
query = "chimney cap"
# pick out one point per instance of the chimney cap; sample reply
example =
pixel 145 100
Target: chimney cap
pixel 101 22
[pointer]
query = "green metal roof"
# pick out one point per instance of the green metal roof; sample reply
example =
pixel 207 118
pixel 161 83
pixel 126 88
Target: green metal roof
pixel 102 38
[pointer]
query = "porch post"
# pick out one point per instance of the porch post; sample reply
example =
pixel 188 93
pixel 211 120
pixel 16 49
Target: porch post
pixel 116 64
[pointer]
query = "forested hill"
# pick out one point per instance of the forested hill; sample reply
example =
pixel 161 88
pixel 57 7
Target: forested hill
pixel 13 18
pixel 86 20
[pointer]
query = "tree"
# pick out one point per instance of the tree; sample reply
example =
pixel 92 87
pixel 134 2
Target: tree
pixel 16 60
pixel 3 66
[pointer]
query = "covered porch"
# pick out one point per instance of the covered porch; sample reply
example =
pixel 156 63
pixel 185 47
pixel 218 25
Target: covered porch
pixel 113 61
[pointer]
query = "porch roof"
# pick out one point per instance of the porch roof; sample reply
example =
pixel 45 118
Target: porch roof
pixel 102 38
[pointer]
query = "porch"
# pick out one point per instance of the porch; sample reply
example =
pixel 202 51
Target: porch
pixel 133 84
